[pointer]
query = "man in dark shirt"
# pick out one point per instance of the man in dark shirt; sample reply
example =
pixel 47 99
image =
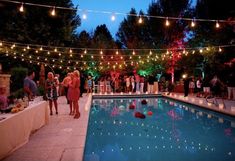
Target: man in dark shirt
pixel 30 87
pixel 151 83
pixel 186 87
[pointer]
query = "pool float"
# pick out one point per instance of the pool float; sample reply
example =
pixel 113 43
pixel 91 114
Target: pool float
pixel 132 106
pixel 139 115
pixel 143 102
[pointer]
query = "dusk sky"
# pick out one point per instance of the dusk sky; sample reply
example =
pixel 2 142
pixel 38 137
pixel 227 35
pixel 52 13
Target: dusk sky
pixel 94 19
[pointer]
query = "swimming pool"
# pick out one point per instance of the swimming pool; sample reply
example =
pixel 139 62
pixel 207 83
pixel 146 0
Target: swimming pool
pixel 171 131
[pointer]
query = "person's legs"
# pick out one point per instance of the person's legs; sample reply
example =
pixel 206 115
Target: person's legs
pixel 56 106
pixel 77 114
pixel 71 107
pixel 50 106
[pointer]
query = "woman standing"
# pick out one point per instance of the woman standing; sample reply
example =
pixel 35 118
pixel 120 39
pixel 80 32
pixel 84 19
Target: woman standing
pixel 51 92
pixel 74 94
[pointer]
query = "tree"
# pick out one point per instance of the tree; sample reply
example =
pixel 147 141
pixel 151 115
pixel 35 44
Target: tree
pixel 36 26
pixel 206 34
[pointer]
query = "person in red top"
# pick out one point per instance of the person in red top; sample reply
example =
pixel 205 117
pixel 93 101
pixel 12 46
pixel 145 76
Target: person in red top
pixel 74 94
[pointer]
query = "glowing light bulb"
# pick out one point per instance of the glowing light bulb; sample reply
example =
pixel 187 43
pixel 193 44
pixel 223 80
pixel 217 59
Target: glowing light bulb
pixel 113 18
pixel 84 16
pixel 220 50
pixel 70 50
pixel 21 8
pixel 217 25
pixel 101 52
pixel 167 52
pixel 167 22
pixel 55 50
pixel 85 51
pixel 193 23
pixel 116 52
pixel 53 11
pixel 140 20
pixel 40 49
pixel 0 43
pixel 28 47
pixel 200 50
pixel 133 53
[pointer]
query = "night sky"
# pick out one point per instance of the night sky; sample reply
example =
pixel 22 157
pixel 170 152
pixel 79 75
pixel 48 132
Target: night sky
pixel 94 19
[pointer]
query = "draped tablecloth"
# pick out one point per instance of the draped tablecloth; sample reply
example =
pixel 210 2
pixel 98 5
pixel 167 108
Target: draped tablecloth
pixel 16 128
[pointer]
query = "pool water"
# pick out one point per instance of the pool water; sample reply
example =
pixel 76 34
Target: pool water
pixel 174 132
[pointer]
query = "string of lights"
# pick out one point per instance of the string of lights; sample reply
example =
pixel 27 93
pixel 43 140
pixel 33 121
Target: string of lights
pixel 73 51
pixel 113 14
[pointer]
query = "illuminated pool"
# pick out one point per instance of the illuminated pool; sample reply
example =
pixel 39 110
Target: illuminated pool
pixel 171 131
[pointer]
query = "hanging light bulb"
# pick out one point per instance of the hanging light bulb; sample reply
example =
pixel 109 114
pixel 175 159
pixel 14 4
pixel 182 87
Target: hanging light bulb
pixel 55 50
pixel 40 49
pixel 150 52
pixel 113 17
pixel 167 22
pixel 70 51
pixel 167 52
pixel 84 16
pixel 140 21
pixel 21 8
pixel 220 50
pixel 28 47
pixel 101 52
pixel 217 25
pixel 193 23
pixel 0 43
pixel 133 53
pixel 85 51
pixel 53 11
pixel 116 52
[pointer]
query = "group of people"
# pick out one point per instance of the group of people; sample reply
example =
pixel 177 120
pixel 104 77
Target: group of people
pixel 125 83
pixel 71 85
pixel 214 87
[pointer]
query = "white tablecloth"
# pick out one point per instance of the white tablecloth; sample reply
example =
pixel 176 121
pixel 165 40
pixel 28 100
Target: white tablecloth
pixel 16 128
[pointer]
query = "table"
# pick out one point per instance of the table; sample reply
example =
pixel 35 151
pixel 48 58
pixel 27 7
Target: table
pixel 16 128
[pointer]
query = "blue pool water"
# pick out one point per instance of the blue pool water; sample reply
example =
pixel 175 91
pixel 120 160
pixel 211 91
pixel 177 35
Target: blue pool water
pixel 174 132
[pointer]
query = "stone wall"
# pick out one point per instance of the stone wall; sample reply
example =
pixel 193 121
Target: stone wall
pixel 5 81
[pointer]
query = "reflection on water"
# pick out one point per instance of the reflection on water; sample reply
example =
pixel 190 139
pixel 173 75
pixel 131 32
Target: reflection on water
pixel 173 131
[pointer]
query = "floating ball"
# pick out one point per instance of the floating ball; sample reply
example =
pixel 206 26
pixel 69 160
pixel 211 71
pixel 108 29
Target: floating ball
pixel 150 113
pixel 132 106
pixel 139 115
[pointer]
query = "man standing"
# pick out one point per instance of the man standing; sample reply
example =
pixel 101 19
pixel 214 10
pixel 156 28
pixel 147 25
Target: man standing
pixel 30 87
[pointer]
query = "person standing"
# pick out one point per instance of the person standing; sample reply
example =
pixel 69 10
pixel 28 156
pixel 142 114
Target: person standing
pixel 51 91
pixel 137 80
pixel 199 86
pixel 141 84
pixel 82 86
pixel 30 87
pixel 65 84
pixel 186 87
pixel 74 94
pixel 151 83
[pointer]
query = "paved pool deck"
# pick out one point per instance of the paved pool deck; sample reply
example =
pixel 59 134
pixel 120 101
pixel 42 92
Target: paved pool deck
pixel 63 138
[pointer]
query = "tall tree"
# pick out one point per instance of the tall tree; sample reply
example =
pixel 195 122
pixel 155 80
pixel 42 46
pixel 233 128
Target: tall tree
pixel 206 34
pixel 36 26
